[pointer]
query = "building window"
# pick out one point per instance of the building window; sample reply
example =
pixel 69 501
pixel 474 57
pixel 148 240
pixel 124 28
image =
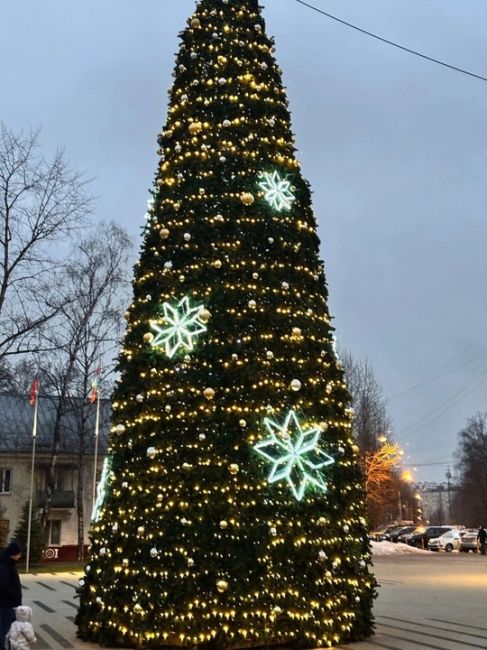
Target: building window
pixel 5 481
pixel 55 532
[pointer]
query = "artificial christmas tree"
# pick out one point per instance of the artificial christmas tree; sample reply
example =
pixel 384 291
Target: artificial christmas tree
pixel 231 508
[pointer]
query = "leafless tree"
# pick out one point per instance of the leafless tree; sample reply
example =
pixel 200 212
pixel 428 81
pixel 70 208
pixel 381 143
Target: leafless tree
pixel 470 502
pixel 41 203
pixel 84 335
pixel 371 421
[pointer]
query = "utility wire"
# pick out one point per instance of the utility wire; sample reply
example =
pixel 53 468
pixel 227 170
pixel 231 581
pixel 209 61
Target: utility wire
pixel 388 42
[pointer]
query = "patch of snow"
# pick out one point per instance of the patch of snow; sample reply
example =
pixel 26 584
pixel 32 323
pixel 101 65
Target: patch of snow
pixel 389 548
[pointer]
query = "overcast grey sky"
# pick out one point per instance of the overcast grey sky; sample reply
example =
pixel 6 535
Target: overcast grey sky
pixel 395 149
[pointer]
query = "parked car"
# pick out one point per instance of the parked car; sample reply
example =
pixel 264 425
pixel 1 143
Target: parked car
pixel 420 536
pixel 379 534
pixel 393 535
pixel 468 541
pixel 449 541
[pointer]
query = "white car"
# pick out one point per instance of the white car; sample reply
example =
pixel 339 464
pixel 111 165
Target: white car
pixel 449 541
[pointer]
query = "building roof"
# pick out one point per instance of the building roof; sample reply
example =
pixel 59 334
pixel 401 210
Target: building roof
pixel 16 422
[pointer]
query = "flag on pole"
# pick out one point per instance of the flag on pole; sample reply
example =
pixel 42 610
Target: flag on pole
pixel 34 391
pixel 93 396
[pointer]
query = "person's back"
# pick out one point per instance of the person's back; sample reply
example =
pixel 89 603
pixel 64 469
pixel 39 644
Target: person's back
pixel 21 634
pixel 10 588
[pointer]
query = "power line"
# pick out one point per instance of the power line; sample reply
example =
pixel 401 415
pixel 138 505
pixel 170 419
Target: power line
pixel 394 44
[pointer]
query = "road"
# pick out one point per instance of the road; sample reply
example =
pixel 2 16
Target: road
pixel 431 602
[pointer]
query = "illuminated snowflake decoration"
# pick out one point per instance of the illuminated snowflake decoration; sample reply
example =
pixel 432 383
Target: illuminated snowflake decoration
pixel 101 489
pixel 277 191
pixel 182 324
pixel 294 454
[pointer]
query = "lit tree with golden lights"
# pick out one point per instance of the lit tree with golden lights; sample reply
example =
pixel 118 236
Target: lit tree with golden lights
pixel 231 509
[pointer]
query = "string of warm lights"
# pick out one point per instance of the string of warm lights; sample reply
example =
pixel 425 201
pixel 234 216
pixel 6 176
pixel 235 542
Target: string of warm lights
pixel 231 508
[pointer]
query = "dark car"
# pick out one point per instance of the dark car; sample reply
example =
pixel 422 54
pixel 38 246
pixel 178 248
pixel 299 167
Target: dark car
pixel 421 536
pixel 379 534
pixel 393 535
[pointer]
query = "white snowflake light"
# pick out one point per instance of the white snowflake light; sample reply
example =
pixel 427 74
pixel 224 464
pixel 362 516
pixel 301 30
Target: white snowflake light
pixel 101 489
pixel 182 324
pixel 294 454
pixel 277 191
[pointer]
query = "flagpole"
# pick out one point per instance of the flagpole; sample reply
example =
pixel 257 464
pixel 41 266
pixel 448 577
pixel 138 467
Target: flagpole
pixel 97 431
pixel 31 495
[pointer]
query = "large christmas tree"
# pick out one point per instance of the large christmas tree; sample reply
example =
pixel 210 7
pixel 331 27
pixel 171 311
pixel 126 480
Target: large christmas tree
pixel 231 511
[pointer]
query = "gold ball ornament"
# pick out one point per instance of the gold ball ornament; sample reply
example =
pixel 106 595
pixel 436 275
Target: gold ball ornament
pixel 222 586
pixel 234 469
pixel 217 264
pixel 247 198
pixel 195 127
pixel 205 316
pixel 296 331
pixel 164 233
pixel 223 524
pixel 148 337
pixel 195 23
pixel 209 393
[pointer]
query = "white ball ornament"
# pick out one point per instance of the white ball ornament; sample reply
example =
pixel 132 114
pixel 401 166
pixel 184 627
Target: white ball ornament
pixel 193 55
pixel 223 524
pixel 153 552
pixel 190 561
pixel 285 285
pixel 187 236
pixel 296 385
pixel 202 436
pixel 103 551
pixel 269 354
pixel 322 555
pixel 222 81
pixel 119 429
pixel 226 123
pixel 223 159
pixel 363 564
pixel 219 217
pixel 258 28
pixel 252 304
pixel 271 240
pixel 168 265
pixel 139 398
pixel 151 452
pixel 273 531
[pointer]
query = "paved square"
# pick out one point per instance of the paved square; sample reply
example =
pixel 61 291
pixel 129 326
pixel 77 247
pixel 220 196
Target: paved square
pixel 432 602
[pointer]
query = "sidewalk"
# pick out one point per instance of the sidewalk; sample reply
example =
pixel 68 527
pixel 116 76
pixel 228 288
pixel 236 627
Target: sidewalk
pixel 431 603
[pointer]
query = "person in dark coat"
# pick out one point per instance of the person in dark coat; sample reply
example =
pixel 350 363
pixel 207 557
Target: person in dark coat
pixel 482 538
pixel 10 588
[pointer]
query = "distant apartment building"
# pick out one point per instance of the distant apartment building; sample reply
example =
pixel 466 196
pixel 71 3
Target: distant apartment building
pixel 75 460
pixel 437 499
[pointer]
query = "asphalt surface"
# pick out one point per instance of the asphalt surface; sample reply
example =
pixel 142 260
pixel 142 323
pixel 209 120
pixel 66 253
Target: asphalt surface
pixel 432 602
